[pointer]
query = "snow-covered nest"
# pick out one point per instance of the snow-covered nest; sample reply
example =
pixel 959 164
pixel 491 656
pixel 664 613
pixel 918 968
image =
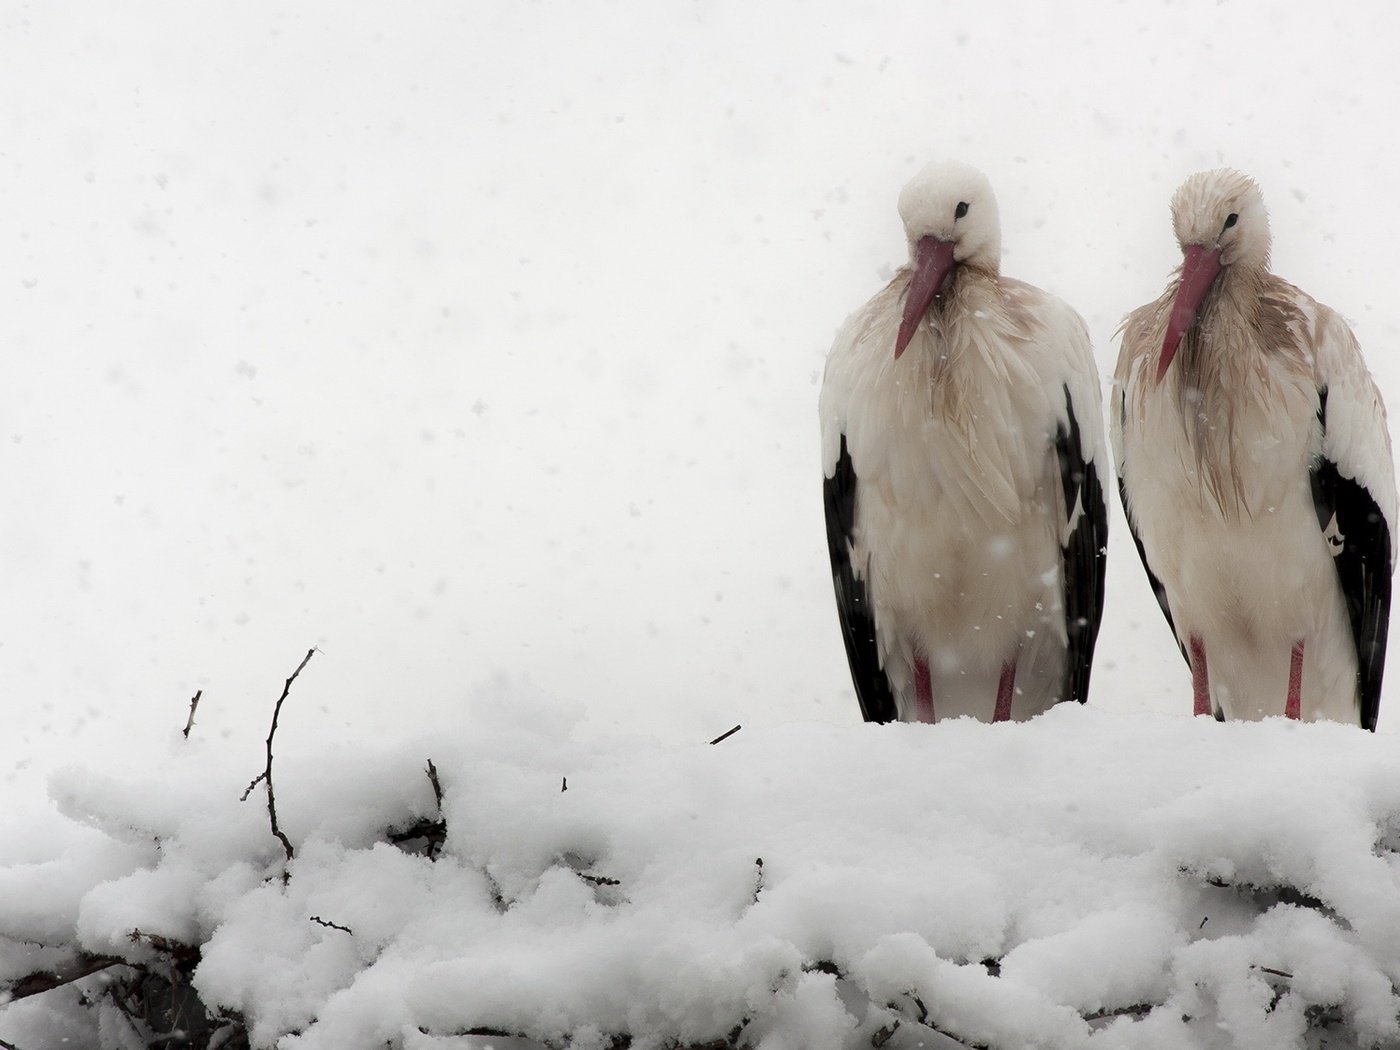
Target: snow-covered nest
pixel 1083 879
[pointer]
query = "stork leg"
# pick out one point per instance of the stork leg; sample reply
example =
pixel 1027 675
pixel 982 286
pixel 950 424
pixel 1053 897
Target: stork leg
pixel 923 690
pixel 1005 688
pixel 1200 678
pixel 1294 708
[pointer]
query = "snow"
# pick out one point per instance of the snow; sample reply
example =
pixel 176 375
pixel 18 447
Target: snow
pixel 471 340
pixel 487 337
pixel 1084 879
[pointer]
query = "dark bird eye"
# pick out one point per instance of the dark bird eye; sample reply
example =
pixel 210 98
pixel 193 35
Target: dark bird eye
pixel 961 210
pixel 1231 219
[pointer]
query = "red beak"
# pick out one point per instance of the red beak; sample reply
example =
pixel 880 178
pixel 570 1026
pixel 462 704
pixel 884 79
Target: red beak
pixel 1198 273
pixel 933 261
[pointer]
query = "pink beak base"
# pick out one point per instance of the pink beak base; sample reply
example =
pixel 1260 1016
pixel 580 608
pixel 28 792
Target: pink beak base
pixel 1198 273
pixel 933 261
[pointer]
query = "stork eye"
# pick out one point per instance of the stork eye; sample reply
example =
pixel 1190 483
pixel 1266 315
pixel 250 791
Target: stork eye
pixel 961 210
pixel 1231 219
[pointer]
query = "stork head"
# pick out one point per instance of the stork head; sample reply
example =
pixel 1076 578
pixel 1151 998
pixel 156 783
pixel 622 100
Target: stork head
pixel 950 220
pixel 1221 225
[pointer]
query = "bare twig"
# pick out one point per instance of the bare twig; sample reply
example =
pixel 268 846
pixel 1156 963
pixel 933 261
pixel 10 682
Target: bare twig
pixel 758 878
pixel 726 735
pixel 265 776
pixel 433 834
pixel 923 1021
pixel 884 1035
pixel 252 784
pixel 7 1045
pixel 564 786
pixel 598 880
pixel 71 970
pixel 161 943
pixel 1283 894
pixel 923 1010
pixel 332 925
pixel 1137 1010
pixel 194 704
pixel 1275 973
pixel 437 784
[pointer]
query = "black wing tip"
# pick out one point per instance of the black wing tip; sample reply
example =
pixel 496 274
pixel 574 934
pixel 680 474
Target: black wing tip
pixel 1364 566
pixel 877 703
pixel 1083 557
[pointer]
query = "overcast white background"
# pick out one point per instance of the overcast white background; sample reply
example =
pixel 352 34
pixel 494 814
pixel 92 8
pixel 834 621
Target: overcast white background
pixel 475 339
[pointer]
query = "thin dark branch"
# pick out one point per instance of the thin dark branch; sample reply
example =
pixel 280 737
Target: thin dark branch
pixel 266 775
pixel 564 786
pixel 923 1010
pixel 177 950
pixel 194 705
pixel 332 925
pixel 1276 973
pixel 437 784
pixel 432 833
pixel 884 1035
pixel 1283 894
pixel 7 1045
pixel 252 784
pixel 1138 1010
pixel 598 880
pixel 923 1021
pixel 726 735
pixel 66 973
pixel 758 878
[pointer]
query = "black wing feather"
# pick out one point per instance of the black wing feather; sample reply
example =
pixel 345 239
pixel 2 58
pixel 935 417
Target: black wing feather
pixel 1157 589
pixel 857 618
pixel 1083 556
pixel 1363 565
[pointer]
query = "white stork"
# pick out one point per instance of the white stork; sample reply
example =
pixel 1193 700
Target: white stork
pixel 961 441
pixel 1255 469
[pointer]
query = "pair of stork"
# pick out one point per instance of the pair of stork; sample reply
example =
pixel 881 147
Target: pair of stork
pixel 965 462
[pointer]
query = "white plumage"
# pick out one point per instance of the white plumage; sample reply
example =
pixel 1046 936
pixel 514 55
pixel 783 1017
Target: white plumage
pixel 1256 471
pixel 961 444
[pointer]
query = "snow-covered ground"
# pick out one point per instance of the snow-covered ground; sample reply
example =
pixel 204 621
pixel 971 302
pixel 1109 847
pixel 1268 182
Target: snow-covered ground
pixel 479 340
pixel 1088 879
pixel 467 338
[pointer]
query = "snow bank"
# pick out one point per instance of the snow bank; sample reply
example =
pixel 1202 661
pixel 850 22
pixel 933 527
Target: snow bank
pixel 1082 879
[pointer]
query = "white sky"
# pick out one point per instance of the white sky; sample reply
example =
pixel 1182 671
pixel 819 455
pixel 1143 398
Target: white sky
pixel 469 339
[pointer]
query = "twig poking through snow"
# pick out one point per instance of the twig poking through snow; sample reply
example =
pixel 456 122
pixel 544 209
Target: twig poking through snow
pixel 266 775
pixel 598 880
pixel 194 704
pixel 758 879
pixel 437 785
pixel 56 977
pixel 923 1010
pixel 332 925
pixel 1137 1011
pixel 923 1022
pixel 564 786
pixel 726 735
pixel 884 1035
